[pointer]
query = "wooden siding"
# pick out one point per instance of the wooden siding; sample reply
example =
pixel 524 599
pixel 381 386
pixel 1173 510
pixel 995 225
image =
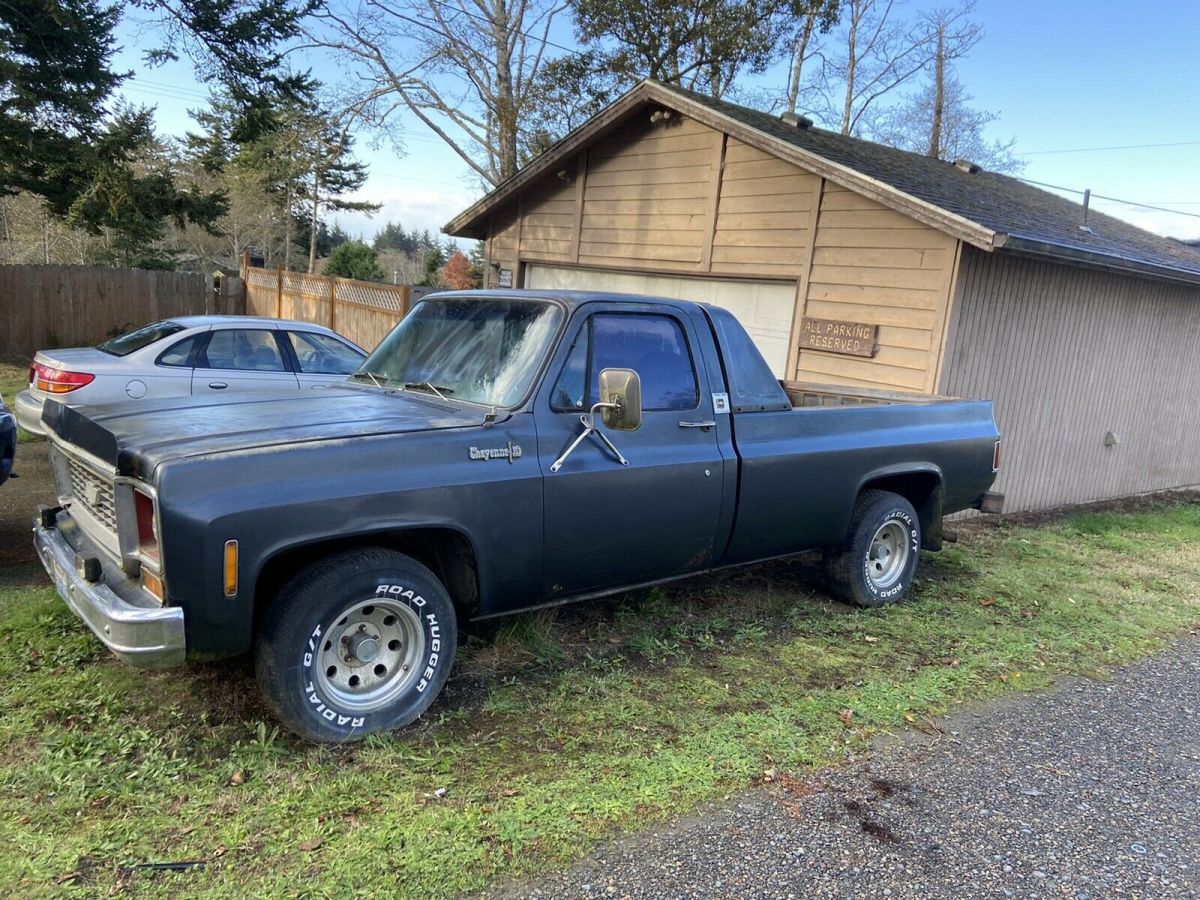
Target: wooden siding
pixel 762 226
pixel 644 201
pixel 1067 355
pixel 874 265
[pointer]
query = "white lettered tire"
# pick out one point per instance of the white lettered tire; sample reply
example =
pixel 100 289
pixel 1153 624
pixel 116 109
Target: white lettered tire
pixel 359 642
pixel 877 563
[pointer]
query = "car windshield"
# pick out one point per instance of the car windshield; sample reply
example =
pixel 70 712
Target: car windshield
pixel 143 337
pixel 484 351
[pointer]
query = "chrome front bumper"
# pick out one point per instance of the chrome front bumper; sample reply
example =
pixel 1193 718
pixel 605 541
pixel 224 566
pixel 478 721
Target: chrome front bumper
pixel 126 618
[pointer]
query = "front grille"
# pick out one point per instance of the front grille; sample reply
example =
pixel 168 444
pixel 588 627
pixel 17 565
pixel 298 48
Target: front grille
pixel 94 493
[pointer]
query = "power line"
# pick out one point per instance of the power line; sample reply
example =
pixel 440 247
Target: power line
pixel 1059 187
pixel 1118 147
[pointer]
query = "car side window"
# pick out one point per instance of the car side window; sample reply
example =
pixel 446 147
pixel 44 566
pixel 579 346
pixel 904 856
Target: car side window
pixel 245 349
pixel 180 354
pixel 319 354
pixel 654 346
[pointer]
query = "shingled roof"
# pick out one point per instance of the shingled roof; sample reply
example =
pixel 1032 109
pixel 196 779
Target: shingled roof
pixel 992 211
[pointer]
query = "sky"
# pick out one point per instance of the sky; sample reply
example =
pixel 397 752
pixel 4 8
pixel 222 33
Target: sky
pixel 1064 76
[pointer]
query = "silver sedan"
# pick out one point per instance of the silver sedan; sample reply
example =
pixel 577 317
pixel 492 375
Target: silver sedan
pixel 189 356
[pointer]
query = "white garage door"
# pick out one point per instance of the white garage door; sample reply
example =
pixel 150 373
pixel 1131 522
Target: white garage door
pixel 763 307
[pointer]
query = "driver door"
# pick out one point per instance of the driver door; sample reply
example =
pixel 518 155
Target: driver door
pixel 609 525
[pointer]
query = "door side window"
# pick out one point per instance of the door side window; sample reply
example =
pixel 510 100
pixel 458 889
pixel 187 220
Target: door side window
pixel 654 346
pixel 180 355
pixel 319 354
pixel 244 349
pixel 569 390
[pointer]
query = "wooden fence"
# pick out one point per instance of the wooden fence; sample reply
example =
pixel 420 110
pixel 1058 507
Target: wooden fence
pixel 363 311
pixel 70 306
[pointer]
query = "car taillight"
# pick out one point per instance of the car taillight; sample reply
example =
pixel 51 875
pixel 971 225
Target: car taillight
pixel 147 529
pixel 996 457
pixel 58 381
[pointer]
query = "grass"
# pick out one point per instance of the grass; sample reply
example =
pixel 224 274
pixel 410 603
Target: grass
pixel 14 378
pixel 557 729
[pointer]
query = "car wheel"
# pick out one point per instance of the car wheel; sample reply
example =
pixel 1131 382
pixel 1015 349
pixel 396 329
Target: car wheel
pixel 356 643
pixel 877 563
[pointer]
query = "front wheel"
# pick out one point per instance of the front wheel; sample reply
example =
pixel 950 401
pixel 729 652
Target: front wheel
pixel 877 563
pixel 356 643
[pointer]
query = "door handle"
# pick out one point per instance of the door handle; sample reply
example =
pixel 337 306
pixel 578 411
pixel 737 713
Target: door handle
pixel 705 425
pixel 218 385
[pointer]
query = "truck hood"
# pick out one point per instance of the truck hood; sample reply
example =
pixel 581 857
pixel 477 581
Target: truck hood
pixel 135 438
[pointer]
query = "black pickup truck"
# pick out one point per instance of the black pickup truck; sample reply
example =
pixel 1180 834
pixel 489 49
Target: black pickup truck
pixel 498 451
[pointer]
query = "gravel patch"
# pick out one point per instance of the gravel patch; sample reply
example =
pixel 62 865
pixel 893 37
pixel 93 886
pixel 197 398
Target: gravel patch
pixel 1089 791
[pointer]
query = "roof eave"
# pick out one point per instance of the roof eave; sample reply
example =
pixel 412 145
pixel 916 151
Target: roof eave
pixel 1093 259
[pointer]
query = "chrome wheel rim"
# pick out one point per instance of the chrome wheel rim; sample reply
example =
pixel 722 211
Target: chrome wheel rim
pixel 888 556
pixel 370 654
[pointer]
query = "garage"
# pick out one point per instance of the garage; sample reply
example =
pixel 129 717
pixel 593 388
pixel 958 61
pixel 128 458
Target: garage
pixel 867 267
pixel 763 307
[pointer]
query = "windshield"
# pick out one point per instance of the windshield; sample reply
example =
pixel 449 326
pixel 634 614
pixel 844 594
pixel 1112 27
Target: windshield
pixel 143 337
pixel 484 351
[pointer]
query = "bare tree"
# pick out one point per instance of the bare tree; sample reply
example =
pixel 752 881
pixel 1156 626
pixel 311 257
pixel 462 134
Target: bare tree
pixel 953 36
pixel 960 127
pixel 465 68
pixel 877 50
pixel 812 24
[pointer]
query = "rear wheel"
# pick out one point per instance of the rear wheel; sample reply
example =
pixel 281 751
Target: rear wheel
pixel 877 563
pixel 356 643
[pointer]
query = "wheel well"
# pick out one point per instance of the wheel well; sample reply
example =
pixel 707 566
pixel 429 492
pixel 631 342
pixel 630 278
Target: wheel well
pixel 924 491
pixel 448 553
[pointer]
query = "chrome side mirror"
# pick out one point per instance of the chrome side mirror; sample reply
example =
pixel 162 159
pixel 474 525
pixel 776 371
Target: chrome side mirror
pixel 620 408
pixel 621 399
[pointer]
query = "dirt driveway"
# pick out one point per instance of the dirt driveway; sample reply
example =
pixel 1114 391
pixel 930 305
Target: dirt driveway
pixel 20 497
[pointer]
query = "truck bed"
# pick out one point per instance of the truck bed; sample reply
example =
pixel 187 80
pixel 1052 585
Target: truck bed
pixel 803 394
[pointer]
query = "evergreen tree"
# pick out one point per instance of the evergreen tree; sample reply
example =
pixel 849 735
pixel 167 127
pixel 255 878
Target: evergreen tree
pixel 354 259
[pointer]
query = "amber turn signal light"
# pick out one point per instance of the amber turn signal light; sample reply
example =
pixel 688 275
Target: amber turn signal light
pixel 153 584
pixel 231 567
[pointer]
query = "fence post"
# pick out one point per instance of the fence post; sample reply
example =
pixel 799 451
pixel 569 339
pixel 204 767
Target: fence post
pixel 279 292
pixel 333 303
pixel 245 266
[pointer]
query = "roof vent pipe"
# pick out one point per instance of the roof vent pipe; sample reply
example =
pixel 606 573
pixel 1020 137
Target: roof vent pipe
pixel 802 122
pixel 1087 199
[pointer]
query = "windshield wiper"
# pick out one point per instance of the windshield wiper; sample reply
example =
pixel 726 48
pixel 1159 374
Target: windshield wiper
pixel 370 375
pixel 431 387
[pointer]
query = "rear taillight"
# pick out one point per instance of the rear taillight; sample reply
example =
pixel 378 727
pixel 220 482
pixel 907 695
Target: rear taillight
pixel 996 457
pixel 58 381
pixel 147 528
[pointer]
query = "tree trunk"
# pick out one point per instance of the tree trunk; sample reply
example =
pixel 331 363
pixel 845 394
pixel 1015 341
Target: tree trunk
pixel 506 115
pixel 312 228
pixel 851 65
pixel 939 95
pixel 287 228
pixel 802 40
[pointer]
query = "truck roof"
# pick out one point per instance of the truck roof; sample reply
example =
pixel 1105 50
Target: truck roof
pixel 571 299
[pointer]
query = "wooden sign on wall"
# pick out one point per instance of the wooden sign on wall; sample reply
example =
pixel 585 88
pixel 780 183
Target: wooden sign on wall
pixel 832 336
